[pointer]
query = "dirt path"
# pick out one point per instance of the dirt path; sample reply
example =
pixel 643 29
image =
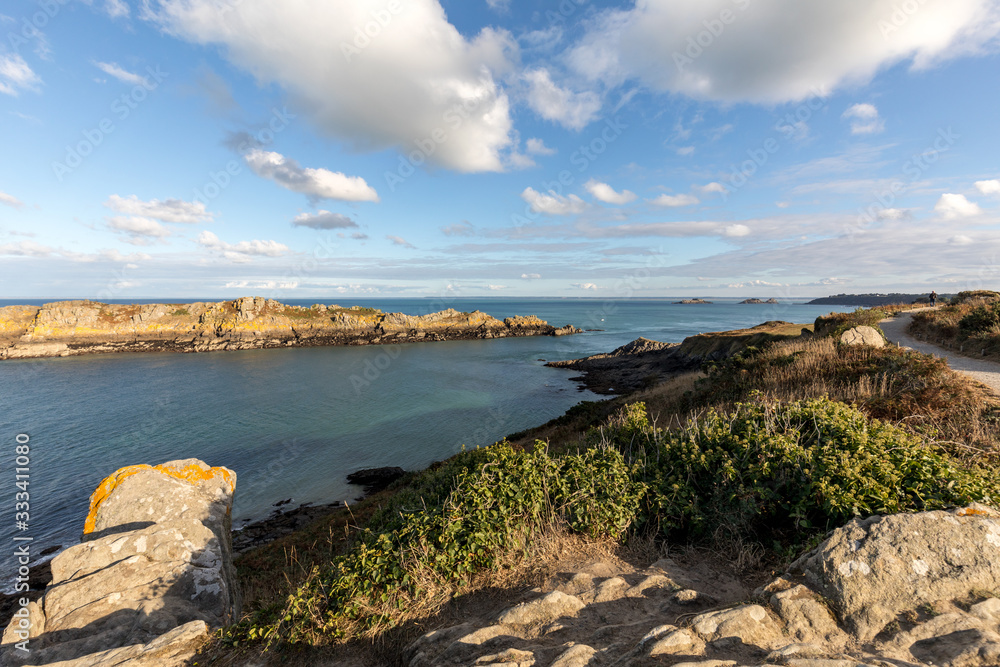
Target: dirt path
pixel 987 372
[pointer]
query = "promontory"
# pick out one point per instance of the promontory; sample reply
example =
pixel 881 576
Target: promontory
pixel 66 328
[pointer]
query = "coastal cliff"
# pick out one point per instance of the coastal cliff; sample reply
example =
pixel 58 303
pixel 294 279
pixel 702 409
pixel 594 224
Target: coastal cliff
pixel 66 328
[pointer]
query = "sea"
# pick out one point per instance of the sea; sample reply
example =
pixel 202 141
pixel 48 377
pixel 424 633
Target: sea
pixel 292 423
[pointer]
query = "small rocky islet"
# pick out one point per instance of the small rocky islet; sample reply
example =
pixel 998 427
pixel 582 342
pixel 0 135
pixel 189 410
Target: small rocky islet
pixel 68 328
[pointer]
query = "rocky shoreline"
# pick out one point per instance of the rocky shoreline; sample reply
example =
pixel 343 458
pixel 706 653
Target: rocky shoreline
pixel 69 328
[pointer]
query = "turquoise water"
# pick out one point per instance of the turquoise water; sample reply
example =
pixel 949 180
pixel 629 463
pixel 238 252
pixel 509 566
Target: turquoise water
pixel 293 422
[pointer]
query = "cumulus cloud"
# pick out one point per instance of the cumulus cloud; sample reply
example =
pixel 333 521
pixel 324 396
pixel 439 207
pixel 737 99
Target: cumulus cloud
pixel 499 6
pixel 538 147
pixel 463 228
pixel 551 102
pixel 168 210
pixel 496 288
pixel 112 69
pixel 323 220
pixel 713 187
pixel 16 75
pixel 25 249
pixel 864 119
pixel 812 47
pixel 960 239
pixel 116 8
pixel 396 240
pixel 674 201
pixel 530 276
pixel 242 251
pixel 989 187
pixel 137 230
pixel 951 206
pixel 10 200
pixel 585 286
pixel 552 203
pixel 736 230
pixel 314 183
pixel 892 214
pixel 413 79
pixel 605 193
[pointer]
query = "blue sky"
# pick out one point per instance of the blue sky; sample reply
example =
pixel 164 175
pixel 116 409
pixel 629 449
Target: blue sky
pixel 218 148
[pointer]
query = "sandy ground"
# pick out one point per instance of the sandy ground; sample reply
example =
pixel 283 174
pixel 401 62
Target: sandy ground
pixel 987 372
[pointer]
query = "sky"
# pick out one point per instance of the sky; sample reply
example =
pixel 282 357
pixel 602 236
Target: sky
pixel 573 148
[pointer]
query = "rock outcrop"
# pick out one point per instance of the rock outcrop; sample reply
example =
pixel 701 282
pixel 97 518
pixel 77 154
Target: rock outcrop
pixel 863 335
pixel 152 578
pixel 67 328
pixel 903 590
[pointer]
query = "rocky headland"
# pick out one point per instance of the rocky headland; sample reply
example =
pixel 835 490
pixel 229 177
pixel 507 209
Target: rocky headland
pixel 772 300
pixel 645 362
pixel 67 328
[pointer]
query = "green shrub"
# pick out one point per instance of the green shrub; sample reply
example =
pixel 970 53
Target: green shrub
pixel 498 500
pixel 980 320
pixel 768 470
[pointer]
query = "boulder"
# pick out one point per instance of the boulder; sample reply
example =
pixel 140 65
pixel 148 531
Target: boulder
pixel 543 610
pixel 863 335
pixel 375 479
pixel 152 578
pixel 873 569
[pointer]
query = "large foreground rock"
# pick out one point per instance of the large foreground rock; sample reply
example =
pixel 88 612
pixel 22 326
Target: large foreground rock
pixel 153 576
pixel 863 335
pixel 873 569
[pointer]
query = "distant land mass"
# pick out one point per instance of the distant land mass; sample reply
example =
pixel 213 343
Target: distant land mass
pixel 869 300
pixel 69 328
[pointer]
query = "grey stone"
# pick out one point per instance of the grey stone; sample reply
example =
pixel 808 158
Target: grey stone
pixel 875 568
pixel 579 655
pixel 863 335
pixel 543 610
pixel 750 623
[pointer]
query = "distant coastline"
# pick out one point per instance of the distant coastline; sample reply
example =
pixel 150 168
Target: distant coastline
pixel 870 300
pixel 70 328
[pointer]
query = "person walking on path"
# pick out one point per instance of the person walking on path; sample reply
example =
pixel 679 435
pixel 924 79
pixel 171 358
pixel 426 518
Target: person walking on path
pixel 933 298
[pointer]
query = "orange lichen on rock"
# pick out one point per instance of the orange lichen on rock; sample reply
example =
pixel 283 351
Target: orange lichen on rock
pixel 192 474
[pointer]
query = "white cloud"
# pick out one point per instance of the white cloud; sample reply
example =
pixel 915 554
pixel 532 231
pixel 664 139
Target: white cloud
pixel 951 206
pixel 960 239
pixel 25 249
pixel 736 230
pixel 674 200
pixel 116 8
pixel 396 240
pixel 684 151
pixel 323 220
pixel 10 200
pixel 864 119
pixel 403 84
pixel 585 286
pixel 989 187
pixel 168 210
pixel 893 214
pixel 499 6
pixel 244 250
pixel 605 193
pixel 112 69
pixel 552 203
pixel 812 47
pixel 16 75
pixel 530 276
pixel 782 204
pixel 496 288
pixel 714 186
pixel 137 230
pixel 538 147
pixel 314 183
pixel 260 284
pixel 548 100
pixel 463 228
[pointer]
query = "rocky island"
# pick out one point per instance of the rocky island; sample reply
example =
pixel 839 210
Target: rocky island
pixel 755 301
pixel 687 302
pixel 66 328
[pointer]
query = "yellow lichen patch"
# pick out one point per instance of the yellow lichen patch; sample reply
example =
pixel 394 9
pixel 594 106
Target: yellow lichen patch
pixel 975 511
pixel 192 474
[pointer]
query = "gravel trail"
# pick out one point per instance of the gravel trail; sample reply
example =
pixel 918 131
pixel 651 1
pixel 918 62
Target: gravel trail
pixel 987 372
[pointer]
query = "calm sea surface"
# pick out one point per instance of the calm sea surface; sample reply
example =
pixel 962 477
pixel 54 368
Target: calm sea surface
pixel 293 422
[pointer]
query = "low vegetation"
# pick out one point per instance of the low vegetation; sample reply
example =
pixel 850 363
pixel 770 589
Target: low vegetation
pixel 970 324
pixel 771 447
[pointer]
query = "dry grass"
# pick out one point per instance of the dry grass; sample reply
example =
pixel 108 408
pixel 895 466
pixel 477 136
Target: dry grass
pixel 942 326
